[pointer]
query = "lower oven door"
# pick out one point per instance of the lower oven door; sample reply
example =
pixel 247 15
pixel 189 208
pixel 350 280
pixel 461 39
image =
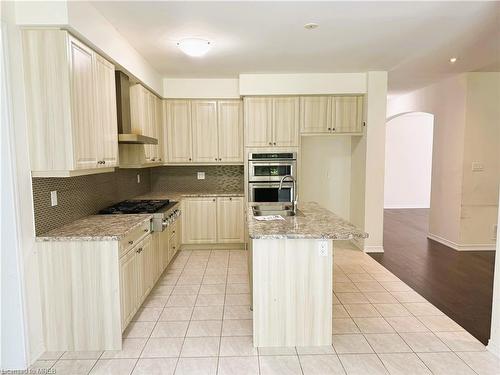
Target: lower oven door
pixel 270 192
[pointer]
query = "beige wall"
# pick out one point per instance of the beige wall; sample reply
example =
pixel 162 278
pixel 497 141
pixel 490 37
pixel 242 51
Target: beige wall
pixel 466 123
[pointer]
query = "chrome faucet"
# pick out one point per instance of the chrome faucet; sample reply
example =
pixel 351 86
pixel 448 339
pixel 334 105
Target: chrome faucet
pixel 294 201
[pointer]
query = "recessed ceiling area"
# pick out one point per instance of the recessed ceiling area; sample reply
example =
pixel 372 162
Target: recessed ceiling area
pixel 414 41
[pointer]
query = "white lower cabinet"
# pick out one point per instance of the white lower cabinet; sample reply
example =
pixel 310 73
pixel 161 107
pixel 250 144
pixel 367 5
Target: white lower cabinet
pixel 212 220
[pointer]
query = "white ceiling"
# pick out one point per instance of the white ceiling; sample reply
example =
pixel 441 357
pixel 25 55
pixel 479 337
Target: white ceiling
pixel 411 40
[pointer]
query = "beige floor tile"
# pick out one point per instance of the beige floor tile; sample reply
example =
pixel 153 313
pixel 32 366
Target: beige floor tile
pixel 373 325
pixel 138 329
pixel 350 298
pixel 207 313
pixel 237 299
pixel 148 314
pixel 340 277
pixel 387 343
pixel 355 343
pixel 113 367
pixel 391 309
pixel 461 341
pixel 238 289
pixel 406 324
pixel 214 279
pixel 176 314
pixel 73 366
pixel 395 286
pixel 170 329
pixel 445 364
pixel 422 309
pixel 234 346
pixel 82 355
pixel 181 300
pixel 215 270
pixel 384 276
pixel 237 278
pixel 339 312
pixel 440 323
pixel 357 277
pixel 131 348
pixel 155 366
pixel 204 328
pixel 237 328
pixel 344 287
pixel 155 301
pixel 362 364
pixel 210 300
pixel 277 350
pixel 212 289
pixel 186 290
pixel 42 365
pixel 189 280
pixel 321 364
pixel 200 347
pixel 362 310
pixel 335 300
pixel 239 270
pixel 484 363
pixel 424 342
pixel 162 347
pixel 380 297
pixel 279 365
pixel 344 325
pixel 307 350
pixel 197 366
pixel 407 297
pixel 237 312
pixel 238 365
pixel 369 286
pixel 49 355
pixel 162 290
pixel 404 364
pixel 169 279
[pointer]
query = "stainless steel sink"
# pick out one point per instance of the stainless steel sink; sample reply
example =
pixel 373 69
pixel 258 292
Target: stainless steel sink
pixel 275 209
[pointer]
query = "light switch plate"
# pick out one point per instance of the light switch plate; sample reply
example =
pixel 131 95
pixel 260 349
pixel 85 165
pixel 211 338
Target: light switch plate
pixel 53 198
pixel 323 248
pixel 138 178
pixel 201 175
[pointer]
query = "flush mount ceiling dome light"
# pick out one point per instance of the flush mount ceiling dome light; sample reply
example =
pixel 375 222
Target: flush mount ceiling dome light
pixel 194 47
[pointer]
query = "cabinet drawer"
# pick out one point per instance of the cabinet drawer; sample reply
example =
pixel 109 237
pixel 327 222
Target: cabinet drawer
pixel 133 238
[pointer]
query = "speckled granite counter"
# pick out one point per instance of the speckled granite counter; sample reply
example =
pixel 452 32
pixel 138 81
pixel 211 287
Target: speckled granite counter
pixel 314 222
pixel 96 228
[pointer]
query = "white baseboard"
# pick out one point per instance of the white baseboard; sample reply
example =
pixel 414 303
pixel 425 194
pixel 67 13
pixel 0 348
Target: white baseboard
pixel 214 246
pixel 373 249
pixel 405 206
pixel 461 247
pixel 493 348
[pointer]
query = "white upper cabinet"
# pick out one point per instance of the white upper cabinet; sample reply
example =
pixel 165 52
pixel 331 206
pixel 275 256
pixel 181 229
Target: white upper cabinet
pixel 314 114
pixel 271 122
pixel 178 135
pixel 71 106
pixel 347 114
pixel 204 126
pixel 230 131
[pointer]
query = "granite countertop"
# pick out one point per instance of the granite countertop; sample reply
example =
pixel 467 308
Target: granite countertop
pixel 312 222
pixel 96 228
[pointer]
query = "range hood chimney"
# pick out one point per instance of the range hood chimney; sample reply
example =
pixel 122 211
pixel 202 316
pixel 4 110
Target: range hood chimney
pixel 125 135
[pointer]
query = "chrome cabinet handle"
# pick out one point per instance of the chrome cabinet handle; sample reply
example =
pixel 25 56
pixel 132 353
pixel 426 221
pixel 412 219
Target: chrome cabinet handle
pixel 270 143
pixel 146 230
pixel 274 143
pixel 130 242
pixel 139 250
pixel 230 198
pixel 215 159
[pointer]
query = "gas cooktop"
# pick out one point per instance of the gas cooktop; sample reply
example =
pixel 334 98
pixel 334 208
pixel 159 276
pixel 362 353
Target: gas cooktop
pixel 149 206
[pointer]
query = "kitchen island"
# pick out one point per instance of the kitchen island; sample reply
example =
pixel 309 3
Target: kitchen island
pixel 291 268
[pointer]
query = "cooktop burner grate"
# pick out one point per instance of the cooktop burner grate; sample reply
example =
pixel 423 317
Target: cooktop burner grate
pixel 149 206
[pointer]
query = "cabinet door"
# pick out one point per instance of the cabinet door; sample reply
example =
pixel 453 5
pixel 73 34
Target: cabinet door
pixel 286 122
pixel 164 250
pixel 82 105
pixel 128 286
pixel 204 127
pixel 159 129
pixel 230 130
pixel 151 151
pixel 258 122
pixel 199 220
pixel 144 265
pixel 314 114
pixel 178 136
pixel 156 266
pixel 105 104
pixel 230 220
pixel 347 114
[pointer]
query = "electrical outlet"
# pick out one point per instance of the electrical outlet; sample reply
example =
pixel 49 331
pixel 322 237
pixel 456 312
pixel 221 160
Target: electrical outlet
pixel 477 166
pixel 201 175
pixel 323 248
pixel 53 198
pixel 138 178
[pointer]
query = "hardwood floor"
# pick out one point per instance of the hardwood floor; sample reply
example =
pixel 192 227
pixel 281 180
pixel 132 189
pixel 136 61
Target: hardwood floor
pixel 459 283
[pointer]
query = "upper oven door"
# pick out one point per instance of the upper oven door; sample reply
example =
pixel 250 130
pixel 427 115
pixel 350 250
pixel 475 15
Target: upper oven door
pixel 270 171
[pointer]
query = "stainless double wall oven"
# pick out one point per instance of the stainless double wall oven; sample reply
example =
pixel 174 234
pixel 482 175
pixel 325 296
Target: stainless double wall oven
pixel 265 171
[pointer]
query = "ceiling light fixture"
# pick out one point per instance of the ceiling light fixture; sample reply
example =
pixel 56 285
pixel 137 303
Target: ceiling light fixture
pixel 194 47
pixel 311 26
pixel 453 60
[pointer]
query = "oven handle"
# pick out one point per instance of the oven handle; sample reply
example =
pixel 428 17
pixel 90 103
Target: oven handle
pixel 270 184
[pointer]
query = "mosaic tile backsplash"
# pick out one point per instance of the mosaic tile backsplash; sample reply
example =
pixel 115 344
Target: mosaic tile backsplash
pixel 218 179
pixel 83 195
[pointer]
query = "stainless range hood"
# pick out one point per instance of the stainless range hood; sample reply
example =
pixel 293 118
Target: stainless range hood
pixel 125 135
